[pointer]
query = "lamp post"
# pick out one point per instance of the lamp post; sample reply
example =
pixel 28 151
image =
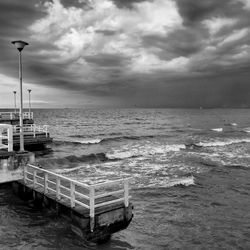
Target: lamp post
pixel 15 100
pixel 29 90
pixel 20 45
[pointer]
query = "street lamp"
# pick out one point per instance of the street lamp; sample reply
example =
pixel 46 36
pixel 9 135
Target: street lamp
pixel 20 45
pixel 15 100
pixel 29 90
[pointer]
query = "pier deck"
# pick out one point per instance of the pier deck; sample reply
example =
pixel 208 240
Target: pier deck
pixel 34 135
pixel 95 211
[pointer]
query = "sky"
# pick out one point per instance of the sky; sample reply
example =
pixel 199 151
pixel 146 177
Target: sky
pixel 127 53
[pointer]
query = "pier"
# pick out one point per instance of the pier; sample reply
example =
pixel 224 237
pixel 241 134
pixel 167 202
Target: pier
pixel 95 211
pixel 34 135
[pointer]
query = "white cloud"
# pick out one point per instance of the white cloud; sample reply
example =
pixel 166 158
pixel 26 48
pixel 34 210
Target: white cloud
pixel 246 4
pixel 235 36
pixel 215 24
pixel 78 32
pixel 146 63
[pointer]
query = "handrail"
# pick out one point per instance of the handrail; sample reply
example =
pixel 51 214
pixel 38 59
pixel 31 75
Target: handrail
pixel 64 187
pixel 6 132
pixel 32 128
pixel 15 115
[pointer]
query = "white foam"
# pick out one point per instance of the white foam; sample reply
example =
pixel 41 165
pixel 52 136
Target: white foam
pixel 233 124
pixel 247 130
pixel 217 129
pixel 223 143
pixel 90 141
pixel 188 181
pixel 166 182
pixel 143 150
pixel 68 170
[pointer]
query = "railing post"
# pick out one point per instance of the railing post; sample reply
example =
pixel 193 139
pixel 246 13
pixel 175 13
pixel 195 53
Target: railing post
pixel 11 115
pixel 46 130
pixel 34 178
pixel 126 193
pixel 58 183
pixel 45 183
pixel 34 130
pixel 72 194
pixel 10 139
pixel 25 174
pixel 92 207
pixel 1 136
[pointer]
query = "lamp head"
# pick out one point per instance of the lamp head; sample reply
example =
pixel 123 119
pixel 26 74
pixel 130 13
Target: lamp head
pixel 19 44
pixel 14 92
pixel 29 90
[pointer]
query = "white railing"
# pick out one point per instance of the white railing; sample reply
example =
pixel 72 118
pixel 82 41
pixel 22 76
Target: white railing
pixel 15 115
pixel 6 132
pixel 78 193
pixel 31 129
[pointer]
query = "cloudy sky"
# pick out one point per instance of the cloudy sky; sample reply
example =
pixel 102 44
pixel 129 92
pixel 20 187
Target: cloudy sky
pixel 127 53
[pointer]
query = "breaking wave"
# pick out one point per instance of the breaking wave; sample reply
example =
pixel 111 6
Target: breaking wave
pixel 72 159
pixel 188 181
pixel 223 143
pixel 181 182
pixel 246 130
pixel 140 150
pixel 99 140
pixel 217 129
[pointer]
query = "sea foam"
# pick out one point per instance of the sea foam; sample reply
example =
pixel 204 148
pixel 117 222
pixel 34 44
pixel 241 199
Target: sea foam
pixel 143 150
pixel 217 129
pixel 223 143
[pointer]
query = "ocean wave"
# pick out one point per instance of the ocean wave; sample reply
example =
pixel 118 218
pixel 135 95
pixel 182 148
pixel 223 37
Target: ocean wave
pixel 99 140
pixel 68 170
pixel 72 160
pixel 223 143
pixel 217 129
pixel 246 130
pixel 231 124
pixel 167 183
pixel 237 166
pixel 90 141
pixel 77 142
pixel 144 150
pixel 187 181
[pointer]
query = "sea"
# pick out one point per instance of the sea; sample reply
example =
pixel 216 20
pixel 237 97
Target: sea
pixel 190 172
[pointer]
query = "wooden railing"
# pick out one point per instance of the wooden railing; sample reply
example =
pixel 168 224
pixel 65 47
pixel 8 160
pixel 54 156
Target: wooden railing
pixel 78 193
pixel 6 132
pixel 31 129
pixel 15 115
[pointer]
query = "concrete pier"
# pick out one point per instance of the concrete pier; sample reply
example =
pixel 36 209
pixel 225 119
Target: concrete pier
pixel 95 211
pixel 107 220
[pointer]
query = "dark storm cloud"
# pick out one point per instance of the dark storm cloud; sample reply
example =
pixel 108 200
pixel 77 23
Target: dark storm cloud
pixel 16 16
pixel 107 60
pixel 107 32
pixel 217 67
pixel 180 42
pixel 128 3
pixel 194 11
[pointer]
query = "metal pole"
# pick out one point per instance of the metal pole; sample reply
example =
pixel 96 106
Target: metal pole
pixel 29 90
pixel 21 103
pixel 15 99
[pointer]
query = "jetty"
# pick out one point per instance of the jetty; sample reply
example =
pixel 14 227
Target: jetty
pixel 34 135
pixel 94 210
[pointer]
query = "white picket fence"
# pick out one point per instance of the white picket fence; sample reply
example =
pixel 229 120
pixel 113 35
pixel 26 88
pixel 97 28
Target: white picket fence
pixel 78 193
pixel 15 115
pixel 6 133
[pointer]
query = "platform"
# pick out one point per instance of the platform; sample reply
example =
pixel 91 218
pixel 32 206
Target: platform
pixel 94 211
